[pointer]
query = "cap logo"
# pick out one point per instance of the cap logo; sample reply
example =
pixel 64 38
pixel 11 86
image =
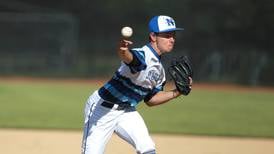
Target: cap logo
pixel 170 22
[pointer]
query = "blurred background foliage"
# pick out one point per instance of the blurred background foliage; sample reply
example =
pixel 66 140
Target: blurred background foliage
pixel 227 40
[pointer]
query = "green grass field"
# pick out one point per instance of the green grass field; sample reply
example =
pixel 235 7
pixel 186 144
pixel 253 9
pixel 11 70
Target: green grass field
pixel 54 105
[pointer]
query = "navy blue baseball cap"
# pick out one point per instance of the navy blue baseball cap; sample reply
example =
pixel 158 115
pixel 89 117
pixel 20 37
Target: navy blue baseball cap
pixel 162 23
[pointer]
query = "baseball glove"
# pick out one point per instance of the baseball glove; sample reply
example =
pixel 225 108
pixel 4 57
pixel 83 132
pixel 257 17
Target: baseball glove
pixel 180 70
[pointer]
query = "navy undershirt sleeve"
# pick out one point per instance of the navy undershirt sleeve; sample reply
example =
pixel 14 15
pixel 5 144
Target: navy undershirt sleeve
pixel 138 63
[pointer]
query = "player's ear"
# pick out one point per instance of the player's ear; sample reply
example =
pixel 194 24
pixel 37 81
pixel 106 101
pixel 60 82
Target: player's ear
pixel 152 37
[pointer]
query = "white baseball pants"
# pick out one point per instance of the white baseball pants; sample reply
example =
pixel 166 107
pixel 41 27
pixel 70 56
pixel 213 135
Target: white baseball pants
pixel 101 122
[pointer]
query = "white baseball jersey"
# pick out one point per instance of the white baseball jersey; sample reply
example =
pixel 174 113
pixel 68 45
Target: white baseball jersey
pixel 135 82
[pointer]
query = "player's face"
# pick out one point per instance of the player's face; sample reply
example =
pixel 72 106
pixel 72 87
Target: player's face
pixel 165 41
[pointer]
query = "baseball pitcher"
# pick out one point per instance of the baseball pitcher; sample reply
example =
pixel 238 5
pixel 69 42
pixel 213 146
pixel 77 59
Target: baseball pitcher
pixel 141 77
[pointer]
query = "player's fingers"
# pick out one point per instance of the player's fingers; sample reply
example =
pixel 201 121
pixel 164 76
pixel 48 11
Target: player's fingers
pixel 123 48
pixel 125 43
pixel 128 42
pixel 190 82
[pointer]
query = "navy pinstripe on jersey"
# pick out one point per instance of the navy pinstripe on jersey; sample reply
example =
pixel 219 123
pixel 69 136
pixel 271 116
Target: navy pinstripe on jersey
pixel 133 83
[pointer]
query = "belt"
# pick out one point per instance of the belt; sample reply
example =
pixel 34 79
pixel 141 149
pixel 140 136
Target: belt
pixel 115 106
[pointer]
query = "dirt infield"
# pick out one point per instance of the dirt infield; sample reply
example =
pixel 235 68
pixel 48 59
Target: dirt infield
pixel 68 142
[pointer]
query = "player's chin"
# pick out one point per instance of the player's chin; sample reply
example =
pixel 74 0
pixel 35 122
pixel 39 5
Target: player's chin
pixel 169 49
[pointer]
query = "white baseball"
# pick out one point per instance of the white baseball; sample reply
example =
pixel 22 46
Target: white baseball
pixel 126 31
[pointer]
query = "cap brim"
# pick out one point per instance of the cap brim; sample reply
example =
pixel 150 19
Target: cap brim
pixel 170 30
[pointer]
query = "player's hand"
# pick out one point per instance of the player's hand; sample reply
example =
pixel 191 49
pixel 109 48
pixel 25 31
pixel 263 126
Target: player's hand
pixel 124 45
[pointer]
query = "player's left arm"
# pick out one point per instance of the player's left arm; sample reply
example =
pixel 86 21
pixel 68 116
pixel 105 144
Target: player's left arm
pixel 162 97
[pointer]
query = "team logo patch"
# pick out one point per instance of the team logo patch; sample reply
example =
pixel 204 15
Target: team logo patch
pixel 153 76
